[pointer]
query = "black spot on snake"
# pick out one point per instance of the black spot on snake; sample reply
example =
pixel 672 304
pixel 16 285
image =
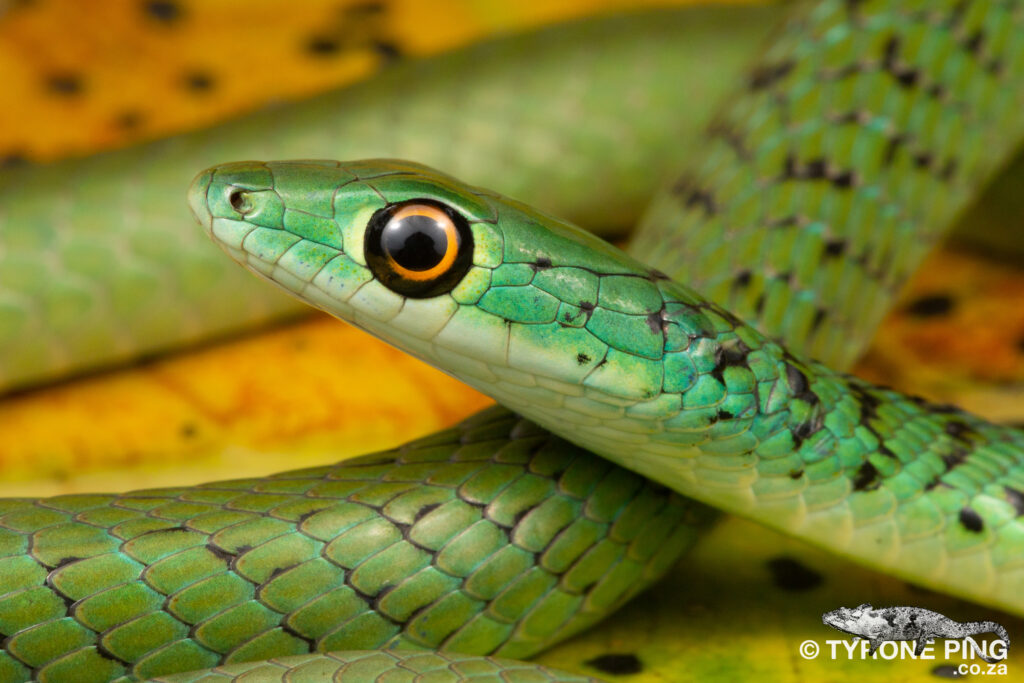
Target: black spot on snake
pixel 743 280
pixel 959 430
pixel 853 5
pixel 787 222
pixel 816 169
pixel 819 317
pixel 930 306
pixel 1015 497
pixel 306 515
pixel 797 380
pixel 425 510
pixel 974 42
pixel 732 356
pixel 796 474
pixel 791 575
pixel 923 159
pixel 618 664
pixel 188 430
pixel 656 321
pixel 586 307
pixel 852 116
pixel 835 247
pixel 295 634
pixel 955 457
pixel 732 136
pixel 808 428
pixel 108 655
pixel 866 478
pixel 582 358
pixel 893 146
pixel 971 520
pixel 845 180
pixel 867 401
pixel 542 263
pixel 949 170
pixel 64 561
pixel 65 84
pixel 766 75
pixel 956 15
pixel 199 81
pixel 908 77
pixel 759 305
pixel 890 51
pixel 703 199
pixel 220 552
pixel 724 415
pixel 162 10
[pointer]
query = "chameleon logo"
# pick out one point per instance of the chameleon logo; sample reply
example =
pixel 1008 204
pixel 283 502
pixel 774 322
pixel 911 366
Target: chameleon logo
pixel 908 623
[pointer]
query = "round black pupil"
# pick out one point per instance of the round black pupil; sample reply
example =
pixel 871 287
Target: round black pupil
pixel 415 242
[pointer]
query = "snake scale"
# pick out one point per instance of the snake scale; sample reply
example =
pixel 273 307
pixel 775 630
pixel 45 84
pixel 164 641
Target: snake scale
pixel 839 160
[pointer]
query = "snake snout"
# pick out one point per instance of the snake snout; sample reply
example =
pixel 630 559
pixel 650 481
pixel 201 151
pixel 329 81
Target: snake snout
pixel 197 198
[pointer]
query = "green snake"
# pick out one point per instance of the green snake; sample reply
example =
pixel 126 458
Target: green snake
pixel 837 162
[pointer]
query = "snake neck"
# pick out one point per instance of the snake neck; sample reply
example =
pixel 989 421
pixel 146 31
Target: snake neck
pixel 733 416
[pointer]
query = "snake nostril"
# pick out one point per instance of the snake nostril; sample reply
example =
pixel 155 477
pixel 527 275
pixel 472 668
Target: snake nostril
pixel 240 201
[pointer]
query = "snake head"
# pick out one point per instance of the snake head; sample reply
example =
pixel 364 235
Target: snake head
pixel 532 310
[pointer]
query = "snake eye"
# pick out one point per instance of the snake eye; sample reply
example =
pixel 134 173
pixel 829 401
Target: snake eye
pixel 240 201
pixel 419 248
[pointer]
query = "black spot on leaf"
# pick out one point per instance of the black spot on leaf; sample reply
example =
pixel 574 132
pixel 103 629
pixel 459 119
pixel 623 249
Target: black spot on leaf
pixel 618 664
pixel 946 671
pixel 931 305
pixel 199 81
pixel 12 159
pixel 165 11
pixel 65 84
pixel 128 120
pixel 791 575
